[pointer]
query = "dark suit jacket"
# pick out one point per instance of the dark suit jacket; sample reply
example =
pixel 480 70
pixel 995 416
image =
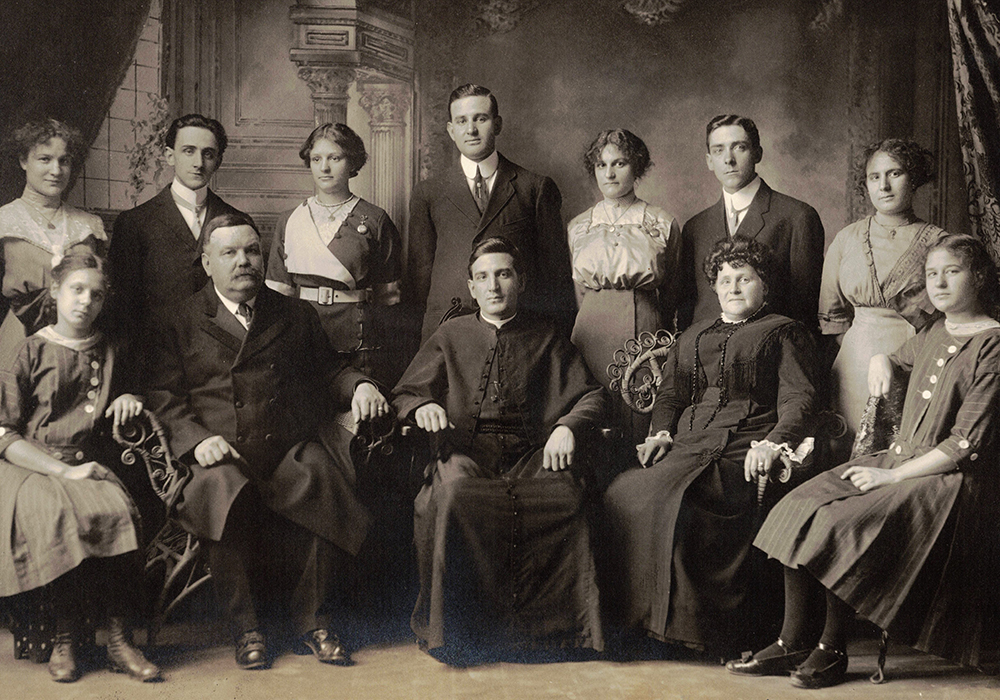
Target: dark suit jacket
pixel 270 394
pixel 793 232
pixel 445 224
pixel 155 261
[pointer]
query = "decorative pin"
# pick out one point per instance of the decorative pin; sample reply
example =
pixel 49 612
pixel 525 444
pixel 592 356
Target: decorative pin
pixel 362 227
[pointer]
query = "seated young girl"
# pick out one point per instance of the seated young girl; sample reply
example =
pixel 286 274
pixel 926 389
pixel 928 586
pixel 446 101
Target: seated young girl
pixel 68 521
pixel 906 537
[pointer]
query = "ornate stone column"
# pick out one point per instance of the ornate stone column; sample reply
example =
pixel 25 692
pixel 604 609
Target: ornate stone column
pixel 328 85
pixel 387 105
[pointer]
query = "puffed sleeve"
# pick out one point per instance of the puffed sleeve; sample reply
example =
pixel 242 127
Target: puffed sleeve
pixel 278 277
pixel 975 424
pixel 835 312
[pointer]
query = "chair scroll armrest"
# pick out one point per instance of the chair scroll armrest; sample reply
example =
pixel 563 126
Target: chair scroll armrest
pixel 636 372
pixel 144 439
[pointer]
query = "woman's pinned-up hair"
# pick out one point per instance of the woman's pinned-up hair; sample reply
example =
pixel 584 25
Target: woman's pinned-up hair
pixel 738 251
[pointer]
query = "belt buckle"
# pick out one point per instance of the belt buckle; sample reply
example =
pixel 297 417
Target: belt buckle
pixel 324 296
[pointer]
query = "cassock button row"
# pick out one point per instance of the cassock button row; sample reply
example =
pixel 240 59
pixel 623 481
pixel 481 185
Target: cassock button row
pixel 239 404
pixel 88 408
pixel 79 455
pixel 94 381
pixel 964 444
pixel 95 364
pixel 940 362
pixel 952 349
pixel 933 379
pixel 926 394
pixel 973 457
pixel 92 394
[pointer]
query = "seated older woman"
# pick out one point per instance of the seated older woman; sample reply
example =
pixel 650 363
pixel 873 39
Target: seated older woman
pixel 738 395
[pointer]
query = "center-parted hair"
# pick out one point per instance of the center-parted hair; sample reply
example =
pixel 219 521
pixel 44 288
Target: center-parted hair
pixel 202 122
pixel 497 245
pixel 631 146
pixel 36 133
pixel 227 220
pixel 734 120
pixel 738 251
pixel 971 251
pixel 342 135
pixel 917 161
pixel 86 260
pixel 473 90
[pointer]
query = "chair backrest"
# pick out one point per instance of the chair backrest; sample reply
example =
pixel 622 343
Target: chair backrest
pixel 145 439
pixel 636 371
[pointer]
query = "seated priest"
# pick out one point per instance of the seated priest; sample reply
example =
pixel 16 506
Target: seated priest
pixel 500 526
pixel 244 378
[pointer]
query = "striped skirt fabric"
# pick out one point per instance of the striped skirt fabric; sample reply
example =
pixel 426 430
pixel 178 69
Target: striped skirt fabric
pixel 54 524
pixel 867 548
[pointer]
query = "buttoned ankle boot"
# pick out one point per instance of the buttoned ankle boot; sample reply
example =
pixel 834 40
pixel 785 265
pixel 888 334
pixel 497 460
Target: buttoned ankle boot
pixel 124 657
pixel 62 663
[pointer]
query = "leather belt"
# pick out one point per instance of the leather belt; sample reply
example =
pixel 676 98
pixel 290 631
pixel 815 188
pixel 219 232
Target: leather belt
pixel 326 296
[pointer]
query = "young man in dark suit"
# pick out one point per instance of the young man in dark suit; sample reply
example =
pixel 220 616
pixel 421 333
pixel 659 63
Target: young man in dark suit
pixel 245 381
pixel 486 196
pixel 155 250
pixel 749 208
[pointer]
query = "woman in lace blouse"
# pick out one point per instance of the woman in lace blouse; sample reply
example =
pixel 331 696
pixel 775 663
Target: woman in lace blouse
pixel 38 229
pixel 625 254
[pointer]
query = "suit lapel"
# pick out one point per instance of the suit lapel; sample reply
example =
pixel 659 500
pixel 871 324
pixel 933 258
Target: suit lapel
pixel 268 324
pixel 503 190
pixel 170 218
pixel 458 193
pixel 218 322
pixel 755 218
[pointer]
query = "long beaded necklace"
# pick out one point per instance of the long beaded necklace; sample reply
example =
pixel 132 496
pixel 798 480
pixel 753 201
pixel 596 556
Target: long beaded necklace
pixel 721 383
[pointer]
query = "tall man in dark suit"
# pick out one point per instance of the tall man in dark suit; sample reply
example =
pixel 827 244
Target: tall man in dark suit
pixel 245 380
pixel 749 208
pixel 155 250
pixel 487 196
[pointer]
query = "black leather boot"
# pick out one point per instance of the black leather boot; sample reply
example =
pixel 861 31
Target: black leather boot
pixel 62 663
pixel 124 657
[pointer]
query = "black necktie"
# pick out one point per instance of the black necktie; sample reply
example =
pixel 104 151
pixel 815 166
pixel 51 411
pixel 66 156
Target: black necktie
pixel 480 193
pixel 246 312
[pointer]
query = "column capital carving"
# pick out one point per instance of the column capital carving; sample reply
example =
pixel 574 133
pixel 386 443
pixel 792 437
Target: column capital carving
pixel 385 104
pixel 327 80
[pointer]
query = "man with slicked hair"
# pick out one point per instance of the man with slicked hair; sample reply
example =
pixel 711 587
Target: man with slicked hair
pixel 749 208
pixel 484 196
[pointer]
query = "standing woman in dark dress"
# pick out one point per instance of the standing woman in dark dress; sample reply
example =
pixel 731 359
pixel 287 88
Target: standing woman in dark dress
pixel 342 254
pixel 37 229
pixel 906 537
pixel 737 395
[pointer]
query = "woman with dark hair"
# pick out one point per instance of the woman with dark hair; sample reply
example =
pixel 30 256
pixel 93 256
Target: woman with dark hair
pixel 906 537
pixel 624 254
pixel 872 295
pixel 342 254
pixel 737 395
pixel 38 229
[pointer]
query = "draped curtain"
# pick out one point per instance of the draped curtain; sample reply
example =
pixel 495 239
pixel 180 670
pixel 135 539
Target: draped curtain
pixel 62 59
pixel 975 47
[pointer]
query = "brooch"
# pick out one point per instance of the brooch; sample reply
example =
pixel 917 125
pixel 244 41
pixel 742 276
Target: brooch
pixel 362 227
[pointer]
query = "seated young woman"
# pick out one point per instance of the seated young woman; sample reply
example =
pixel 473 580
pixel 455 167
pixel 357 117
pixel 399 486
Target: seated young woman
pixel 737 395
pixel 67 522
pixel 906 537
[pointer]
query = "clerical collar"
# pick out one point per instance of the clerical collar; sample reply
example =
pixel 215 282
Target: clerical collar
pixel 742 198
pixel 499 323
pixel 193 197
pixel 487 167
pixel 233 305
